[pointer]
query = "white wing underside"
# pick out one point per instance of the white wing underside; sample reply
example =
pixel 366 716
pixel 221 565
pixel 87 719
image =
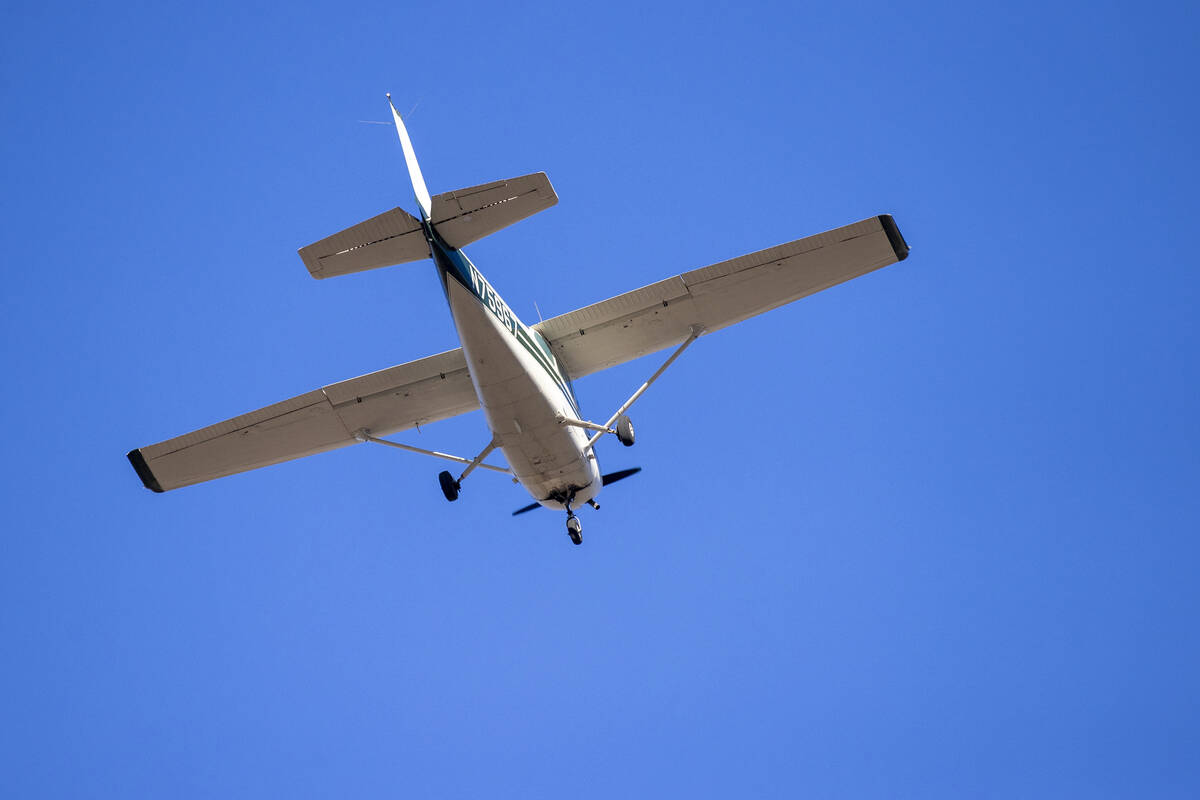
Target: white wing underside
pixel 662 314
pixel 383 402
pixel 602 335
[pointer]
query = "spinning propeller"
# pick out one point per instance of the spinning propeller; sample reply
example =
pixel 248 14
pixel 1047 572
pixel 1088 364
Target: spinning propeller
pixel 605 480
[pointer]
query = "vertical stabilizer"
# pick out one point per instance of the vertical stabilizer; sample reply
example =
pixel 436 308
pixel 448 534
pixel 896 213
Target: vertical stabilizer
pixel 414 169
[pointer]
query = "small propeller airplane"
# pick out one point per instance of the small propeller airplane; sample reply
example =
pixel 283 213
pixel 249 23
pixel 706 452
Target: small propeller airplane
pixel 520 375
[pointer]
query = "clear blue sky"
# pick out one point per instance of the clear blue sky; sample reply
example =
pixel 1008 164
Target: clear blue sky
pixel 932 533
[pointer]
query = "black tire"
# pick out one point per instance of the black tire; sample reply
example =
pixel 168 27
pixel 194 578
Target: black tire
pixel 575 530
pixel 625 431
pixel 450 486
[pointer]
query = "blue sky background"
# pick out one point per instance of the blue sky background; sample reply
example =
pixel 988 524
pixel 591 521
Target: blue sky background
pixel 932 533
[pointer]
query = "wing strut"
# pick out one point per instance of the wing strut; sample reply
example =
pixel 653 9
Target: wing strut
pixel 607 427
pixel 365 436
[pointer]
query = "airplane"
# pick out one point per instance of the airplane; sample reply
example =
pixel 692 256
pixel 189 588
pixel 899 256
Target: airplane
pixel 522 376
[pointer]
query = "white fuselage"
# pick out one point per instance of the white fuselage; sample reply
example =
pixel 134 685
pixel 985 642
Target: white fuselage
pixel 522 390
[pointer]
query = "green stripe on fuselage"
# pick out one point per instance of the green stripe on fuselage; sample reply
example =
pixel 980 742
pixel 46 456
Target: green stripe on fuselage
pixel 454 264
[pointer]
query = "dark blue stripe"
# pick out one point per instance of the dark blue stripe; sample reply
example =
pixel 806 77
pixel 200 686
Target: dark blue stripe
pixel 454 263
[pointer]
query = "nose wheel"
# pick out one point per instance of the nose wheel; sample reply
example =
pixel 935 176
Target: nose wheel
pixel 575 529
pixel 567 498
pixel 574 526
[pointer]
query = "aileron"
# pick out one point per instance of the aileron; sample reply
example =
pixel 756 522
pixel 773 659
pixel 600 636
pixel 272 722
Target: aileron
pixel 384 402
pixel 662 314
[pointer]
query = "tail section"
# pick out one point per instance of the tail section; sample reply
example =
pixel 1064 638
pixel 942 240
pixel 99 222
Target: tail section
pixel 467 215
pixel 414 169
pixel 393 237
pixel 459 218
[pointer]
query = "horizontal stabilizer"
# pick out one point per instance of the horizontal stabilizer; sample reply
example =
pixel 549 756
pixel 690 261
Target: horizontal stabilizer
pixel 393 237
pixel 460 217
pixel 467 215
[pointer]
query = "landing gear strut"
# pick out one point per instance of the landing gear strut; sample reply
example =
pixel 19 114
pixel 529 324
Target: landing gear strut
pixel 450 486
pixel 574 526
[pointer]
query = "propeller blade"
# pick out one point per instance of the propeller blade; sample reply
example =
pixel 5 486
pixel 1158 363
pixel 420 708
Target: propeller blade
pixel 605 480
pixel 620 474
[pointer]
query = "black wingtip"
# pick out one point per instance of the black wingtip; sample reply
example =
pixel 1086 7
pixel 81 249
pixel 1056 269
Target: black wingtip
pixel 143 471
pixel 894 236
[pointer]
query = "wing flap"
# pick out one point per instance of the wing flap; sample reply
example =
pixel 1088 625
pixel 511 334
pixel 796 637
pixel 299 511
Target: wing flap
pixel 662 314
pixel 402 397
pixel 622 328
pixel 384 402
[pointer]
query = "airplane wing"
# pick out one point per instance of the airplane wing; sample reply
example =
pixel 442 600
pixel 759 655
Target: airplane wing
pixel 383 402
pixel 662 314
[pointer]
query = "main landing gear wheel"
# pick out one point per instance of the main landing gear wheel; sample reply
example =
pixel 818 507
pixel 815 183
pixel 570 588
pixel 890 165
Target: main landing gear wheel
pixel 575 530
pixel 450 486
pixel 625 431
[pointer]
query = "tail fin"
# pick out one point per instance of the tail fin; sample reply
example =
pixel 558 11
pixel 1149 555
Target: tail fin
pixel 459 217
pixel 414 169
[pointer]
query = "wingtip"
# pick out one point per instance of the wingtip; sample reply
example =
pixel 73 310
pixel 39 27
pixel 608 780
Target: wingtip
pixel 143 471
pixel 895 238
